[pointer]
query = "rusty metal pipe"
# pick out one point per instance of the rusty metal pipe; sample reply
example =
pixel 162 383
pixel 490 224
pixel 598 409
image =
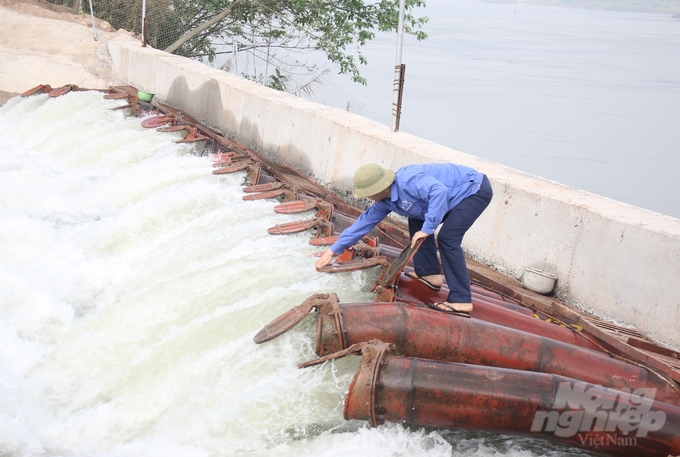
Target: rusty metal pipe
pixel 489 293
pixel 412 291
pixel 429 334
pixel 451 395
pixel 503 303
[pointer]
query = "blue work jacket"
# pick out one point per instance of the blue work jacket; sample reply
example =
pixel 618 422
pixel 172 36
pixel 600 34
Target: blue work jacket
pixel 424 191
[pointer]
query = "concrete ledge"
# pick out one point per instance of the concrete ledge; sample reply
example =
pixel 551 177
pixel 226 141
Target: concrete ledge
pixel 612 259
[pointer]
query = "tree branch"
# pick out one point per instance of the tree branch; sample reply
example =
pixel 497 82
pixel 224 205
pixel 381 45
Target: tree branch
pixel 187 36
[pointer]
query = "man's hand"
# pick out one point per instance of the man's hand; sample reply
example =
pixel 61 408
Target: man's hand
pixel 325 259
pixel 417 236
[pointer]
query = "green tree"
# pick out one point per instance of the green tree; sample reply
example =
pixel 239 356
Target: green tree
pixel 272 30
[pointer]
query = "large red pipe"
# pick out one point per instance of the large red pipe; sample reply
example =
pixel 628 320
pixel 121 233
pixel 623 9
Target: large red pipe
pixel 422 332
pixel 413 291
pixel 453 395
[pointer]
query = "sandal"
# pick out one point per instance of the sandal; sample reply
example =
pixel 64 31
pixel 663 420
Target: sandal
pixel 424 281
pixel 446 307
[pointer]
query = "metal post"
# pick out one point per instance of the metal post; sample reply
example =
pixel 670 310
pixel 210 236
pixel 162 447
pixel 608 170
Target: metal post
pixel 398 70
pixel 143 23
pixel 401 70
pixel 94 28
pixel 238 71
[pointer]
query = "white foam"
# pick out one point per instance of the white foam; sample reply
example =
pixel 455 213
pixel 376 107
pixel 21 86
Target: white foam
pixel 132 281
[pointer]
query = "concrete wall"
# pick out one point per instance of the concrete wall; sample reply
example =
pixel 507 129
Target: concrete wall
pixel 611 259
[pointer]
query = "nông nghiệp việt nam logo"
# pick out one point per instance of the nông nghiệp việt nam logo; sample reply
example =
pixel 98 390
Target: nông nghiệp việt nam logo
pixel 580 407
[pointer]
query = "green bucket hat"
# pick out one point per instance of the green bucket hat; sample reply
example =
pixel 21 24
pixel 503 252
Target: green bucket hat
pixel 371 179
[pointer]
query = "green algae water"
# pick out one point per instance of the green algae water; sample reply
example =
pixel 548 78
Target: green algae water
pixel 132 282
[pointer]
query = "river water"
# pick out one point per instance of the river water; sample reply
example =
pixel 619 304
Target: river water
pixel 590 99
pixel 132 281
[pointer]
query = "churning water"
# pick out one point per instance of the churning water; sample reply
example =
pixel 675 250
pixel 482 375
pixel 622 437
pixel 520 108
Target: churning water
pixel 132 282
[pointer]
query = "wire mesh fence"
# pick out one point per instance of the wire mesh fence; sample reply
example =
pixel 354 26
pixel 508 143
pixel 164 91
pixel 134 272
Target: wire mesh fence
pixel 243 37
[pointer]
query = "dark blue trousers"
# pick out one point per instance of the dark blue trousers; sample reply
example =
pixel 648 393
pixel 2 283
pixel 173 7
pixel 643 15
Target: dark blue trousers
pixel 456 222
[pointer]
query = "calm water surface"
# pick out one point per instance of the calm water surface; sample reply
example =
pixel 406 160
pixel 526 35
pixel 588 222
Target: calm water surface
pixel 590 99
pixel 132 282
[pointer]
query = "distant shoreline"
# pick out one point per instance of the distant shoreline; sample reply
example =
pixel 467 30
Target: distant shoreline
pixel 637 6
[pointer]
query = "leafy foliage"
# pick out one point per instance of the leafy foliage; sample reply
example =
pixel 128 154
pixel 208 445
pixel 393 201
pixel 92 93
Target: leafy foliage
pixel 269 28
pixel 270 32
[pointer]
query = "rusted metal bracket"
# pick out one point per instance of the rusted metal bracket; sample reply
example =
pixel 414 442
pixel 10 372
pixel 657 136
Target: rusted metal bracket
pixel 398 265
pixel 365 251
pixel 192 136
pixel 133 104
pixel 325 241
pixel 253 174
pixel 227 155
pixel 270 190
pixel 224 159
pixel 383 294
pixel 267 187
pixel 324 227
pixel 47 89
pixel 356 264
pixel 325 303
pixel 253 170
pixel 44 88
pixel 385 285
pixel 116 96
pixel 361 402
pixel 285 193
pixel 191 133
pixel 240 166
pixel 301 206
pixel 371 348
pixel 371 241
pixel 324 213
pixel 62 90
pixel 153 122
